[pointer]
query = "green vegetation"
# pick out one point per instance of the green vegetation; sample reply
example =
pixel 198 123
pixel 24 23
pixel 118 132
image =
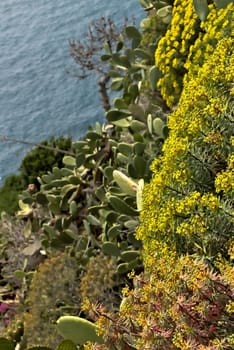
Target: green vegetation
pixel 9 194
pixel 38 161
pixel 41 159
pixel 79 330
pixel 128 242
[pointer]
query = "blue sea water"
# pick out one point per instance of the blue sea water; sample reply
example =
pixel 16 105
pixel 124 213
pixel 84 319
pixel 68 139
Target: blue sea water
pixel 38 99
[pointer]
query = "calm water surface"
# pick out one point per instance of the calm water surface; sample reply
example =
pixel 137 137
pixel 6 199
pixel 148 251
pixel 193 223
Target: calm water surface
pixel 38 98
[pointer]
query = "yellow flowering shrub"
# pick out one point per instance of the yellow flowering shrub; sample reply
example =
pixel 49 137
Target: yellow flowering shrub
pixel 181 302
pixel 187 43
pixel 225 179
pixel 188 202
pixel 184 299
pixel 219 24
pixel 173 48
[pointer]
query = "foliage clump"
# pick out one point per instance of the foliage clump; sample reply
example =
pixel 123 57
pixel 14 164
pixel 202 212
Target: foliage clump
pixel 9 193
pixel 184 202
pixel 41 159
pixel 53 292
pixel 180 303
pixel 187 43
pixel 218 25
pixel 98 282
pixel 184 298
pixel 173 49
pixel 183 295
pixel 18 252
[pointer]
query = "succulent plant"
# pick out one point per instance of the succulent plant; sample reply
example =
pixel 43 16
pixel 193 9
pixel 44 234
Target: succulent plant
pixel 90 206
pixel 78 330
pixel 202 9
pixel 7 344
pixel 97 189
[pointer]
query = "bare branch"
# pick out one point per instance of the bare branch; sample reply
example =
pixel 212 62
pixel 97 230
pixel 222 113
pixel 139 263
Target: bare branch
pixel 11 139
pixel 87 53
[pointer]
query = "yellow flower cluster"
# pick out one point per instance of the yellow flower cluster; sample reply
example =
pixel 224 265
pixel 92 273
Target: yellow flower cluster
pixel 193 226
pixel 225 179
pixel 174 47
pixel 181 215
pixel 188 43
pixel 219 24
pixel 200 99
pixel 196 223
pixel 180 200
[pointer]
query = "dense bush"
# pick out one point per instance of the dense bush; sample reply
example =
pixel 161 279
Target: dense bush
pixel 189 201
pixel 54 290
pixel 37 162
pixel 181 295
pixel 42 159
pixel 9 193
pixel 173 49
pixel 184 298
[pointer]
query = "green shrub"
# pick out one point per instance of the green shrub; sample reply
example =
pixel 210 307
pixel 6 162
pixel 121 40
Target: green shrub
pixel 98 282
pixel 9 193
pixel 189 201
pixel 53 292
pixel 36 163
pixel 40 160
pixel 184 299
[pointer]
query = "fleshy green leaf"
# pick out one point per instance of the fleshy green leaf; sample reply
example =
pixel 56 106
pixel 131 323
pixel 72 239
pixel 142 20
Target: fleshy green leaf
pixel 115 114
pixel 67 345
pixel 220 4
pixel 110 248
pixel 70 161
pixel 78 330
pixel 105 57
pixel 120 206
pixel 201 7
pixel 6 344
pixel 154 76
pixel 129 255
pixel 132 32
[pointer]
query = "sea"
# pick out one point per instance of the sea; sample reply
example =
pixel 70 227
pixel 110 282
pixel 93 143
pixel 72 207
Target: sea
pixel 40 96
